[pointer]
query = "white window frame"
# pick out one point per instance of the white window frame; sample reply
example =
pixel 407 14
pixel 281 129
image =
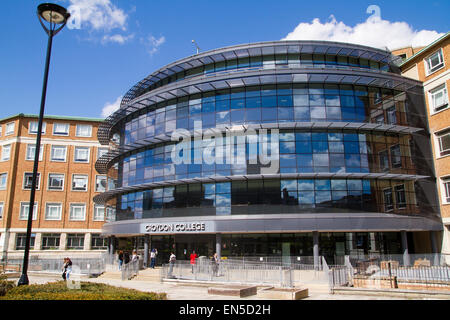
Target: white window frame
pixel 392 197
pixel 79 131
pixel 6 152
pixel 433 92
pixel 396 198
pixel 8 130
pixel 49 188
pixel 57 205
pixel 445 191
pixel 30 174
pixel 24 207
pixel 44 126
pixel 78 176
pixel 61 133
pixel 2 208
pixel 98 179
pixel 53 150
pixel 438 136
pixel 77 150
pixel 29 157
pixel 101 152
pixel 3 174
pixel 96 216
pixel 439 66
pixel 77 206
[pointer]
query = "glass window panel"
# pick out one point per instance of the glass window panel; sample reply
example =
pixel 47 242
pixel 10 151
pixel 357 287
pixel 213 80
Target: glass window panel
pixel 290 185
pixel 301 113
pixel 338 184
pixel 318 113
pixel 301 100
pixel 321 184
pixel 305 185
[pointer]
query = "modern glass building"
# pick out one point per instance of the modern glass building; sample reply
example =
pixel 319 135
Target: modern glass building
pixel 297 148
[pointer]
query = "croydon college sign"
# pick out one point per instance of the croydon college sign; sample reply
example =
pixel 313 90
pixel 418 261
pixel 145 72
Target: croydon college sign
pixel 177 227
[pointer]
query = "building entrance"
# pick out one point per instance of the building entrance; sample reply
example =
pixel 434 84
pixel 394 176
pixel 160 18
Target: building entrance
pixel 182 246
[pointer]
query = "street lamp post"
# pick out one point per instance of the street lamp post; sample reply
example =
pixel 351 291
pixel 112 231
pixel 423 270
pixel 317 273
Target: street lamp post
pixel 57 17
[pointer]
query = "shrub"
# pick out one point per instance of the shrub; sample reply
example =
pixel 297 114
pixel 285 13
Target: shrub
pixel 5 285
pixel 88 291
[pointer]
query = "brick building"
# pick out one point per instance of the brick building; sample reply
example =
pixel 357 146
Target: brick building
pixel 66 221
pixel 431 66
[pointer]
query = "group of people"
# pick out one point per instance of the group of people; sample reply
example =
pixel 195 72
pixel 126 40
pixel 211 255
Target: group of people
pixel 124 257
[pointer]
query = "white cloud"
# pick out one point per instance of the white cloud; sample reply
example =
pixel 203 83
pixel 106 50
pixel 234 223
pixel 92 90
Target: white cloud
pixel 98 15
pixel 152 44
pixel 117 38
pixel 110 108
pixel 374 32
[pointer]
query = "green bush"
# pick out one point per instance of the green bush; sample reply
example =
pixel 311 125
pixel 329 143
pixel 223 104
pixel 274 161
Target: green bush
pixel 88 291
pixel 5 285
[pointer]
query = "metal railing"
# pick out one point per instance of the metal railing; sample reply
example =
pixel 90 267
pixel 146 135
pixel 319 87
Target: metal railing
pixel 294 262
pixel 230 273
pixel 391 272
pixel 86 266
pixel 130 269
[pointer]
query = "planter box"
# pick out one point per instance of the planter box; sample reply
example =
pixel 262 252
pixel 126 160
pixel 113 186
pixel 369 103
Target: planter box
pixel 235 291
pixel 284 294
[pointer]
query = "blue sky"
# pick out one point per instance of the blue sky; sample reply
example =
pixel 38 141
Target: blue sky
pixel 96 61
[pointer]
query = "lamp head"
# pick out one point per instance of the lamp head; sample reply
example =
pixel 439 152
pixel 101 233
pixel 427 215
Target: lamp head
pixel 53 13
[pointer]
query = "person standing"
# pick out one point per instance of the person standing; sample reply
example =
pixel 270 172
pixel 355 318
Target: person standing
pixel 172 260
pixel 153 258
pixel 215 264
pixel 68 268
pixel 120 259
pixel 64 269
pixel 193 257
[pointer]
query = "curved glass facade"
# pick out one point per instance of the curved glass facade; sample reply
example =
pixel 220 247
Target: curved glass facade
pixel 276 104
pixel 273 196
pixel 348 137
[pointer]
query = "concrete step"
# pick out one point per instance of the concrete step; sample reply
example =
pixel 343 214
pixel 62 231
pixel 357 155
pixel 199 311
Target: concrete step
pixel 111 275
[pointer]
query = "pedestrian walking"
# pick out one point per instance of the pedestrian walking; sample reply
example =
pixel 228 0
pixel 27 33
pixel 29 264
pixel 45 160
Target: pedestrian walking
pixel 120 259
pixel 153 258
pixel 135 256
pixel 193 257
pixel 68 268
pixel 172 260
pixel 215 264
pixel 126 257
pixel 64 269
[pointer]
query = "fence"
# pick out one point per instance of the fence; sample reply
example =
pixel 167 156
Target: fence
pixel 88 266
pixel 229 272
pixel 420 272
pixel 130 269
pixel 294 262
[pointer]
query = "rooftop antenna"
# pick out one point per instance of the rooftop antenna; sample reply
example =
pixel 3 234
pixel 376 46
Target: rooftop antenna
pixel 195 43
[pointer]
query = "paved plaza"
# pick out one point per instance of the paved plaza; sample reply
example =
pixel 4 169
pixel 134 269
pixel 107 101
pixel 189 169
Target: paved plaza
pixel 199 291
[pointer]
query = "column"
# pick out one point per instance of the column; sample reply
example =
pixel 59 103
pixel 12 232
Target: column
pixel 434 249
pixel 38 241
pixel 146 247
pixel 373 246
pixel 316 249
pixel 4 240
pixel 87 241
pixel 405 248
pixel 63 241
pixel 219 244
pixel 11 241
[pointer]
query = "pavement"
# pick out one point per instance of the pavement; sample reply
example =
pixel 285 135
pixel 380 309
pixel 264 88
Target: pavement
pixel 176 290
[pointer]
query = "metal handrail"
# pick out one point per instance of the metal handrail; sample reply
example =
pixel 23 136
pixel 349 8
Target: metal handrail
pixel 130 269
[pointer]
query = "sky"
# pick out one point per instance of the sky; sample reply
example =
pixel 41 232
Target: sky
pixel 110 45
